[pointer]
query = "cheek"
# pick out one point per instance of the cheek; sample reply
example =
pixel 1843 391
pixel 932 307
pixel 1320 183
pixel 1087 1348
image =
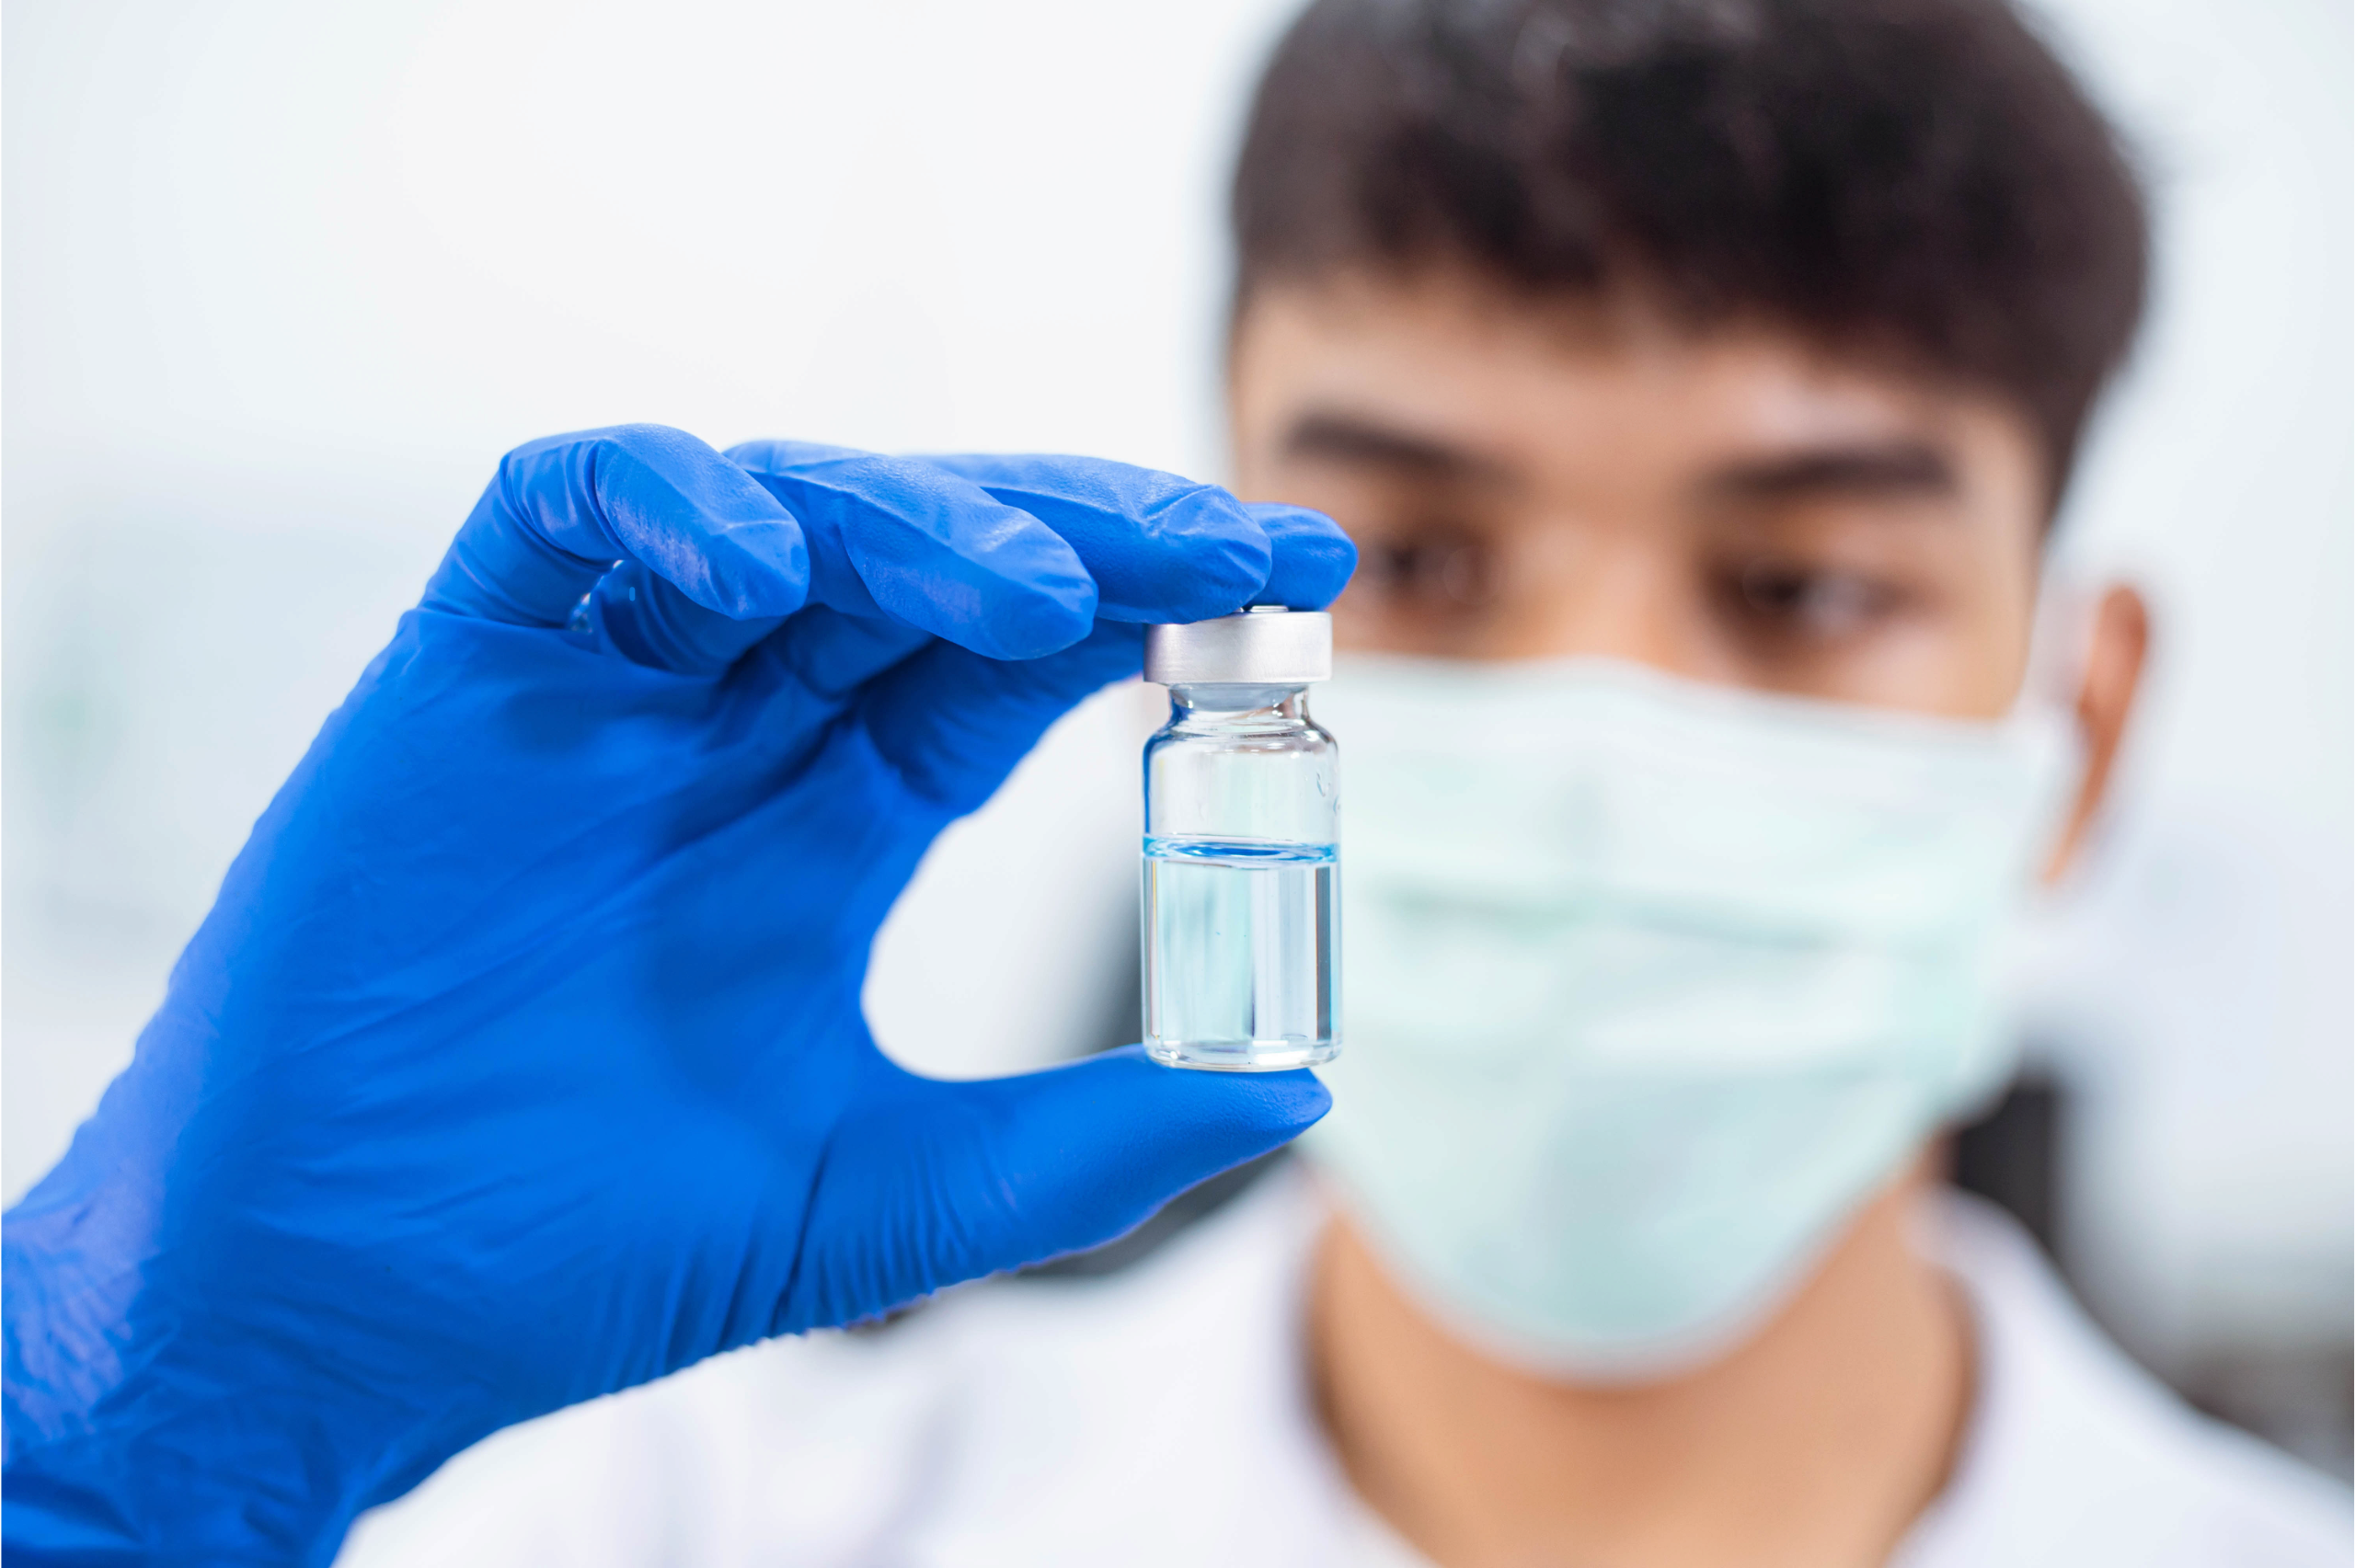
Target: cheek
pixel 1966 668
pixel 1999 572
pixel 1994 619
pixel 1361 626
pixel 1962 654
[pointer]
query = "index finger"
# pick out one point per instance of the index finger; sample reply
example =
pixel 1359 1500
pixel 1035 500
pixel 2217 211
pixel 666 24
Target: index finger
pixel 907 540
pixel 1160 547
pixel 563 510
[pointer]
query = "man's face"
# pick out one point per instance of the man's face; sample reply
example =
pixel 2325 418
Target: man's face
pixel 1736 507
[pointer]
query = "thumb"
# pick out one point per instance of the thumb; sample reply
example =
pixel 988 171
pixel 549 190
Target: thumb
pixel 926 1183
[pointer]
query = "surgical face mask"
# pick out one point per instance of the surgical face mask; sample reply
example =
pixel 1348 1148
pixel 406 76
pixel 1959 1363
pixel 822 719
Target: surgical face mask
pixel 1649 985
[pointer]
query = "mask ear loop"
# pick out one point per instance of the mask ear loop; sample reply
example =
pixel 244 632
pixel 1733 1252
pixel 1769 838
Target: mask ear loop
pixel 2044 714
pixel 2044 724
pixel 2060 644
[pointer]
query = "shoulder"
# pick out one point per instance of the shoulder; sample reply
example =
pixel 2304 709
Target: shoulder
pixel 2075 1455
pixel 1161 1414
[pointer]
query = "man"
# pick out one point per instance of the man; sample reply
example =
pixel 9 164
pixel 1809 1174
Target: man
pixel 1698 383
pixel 1692 351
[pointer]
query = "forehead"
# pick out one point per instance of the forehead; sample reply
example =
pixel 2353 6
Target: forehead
pixel 1607 395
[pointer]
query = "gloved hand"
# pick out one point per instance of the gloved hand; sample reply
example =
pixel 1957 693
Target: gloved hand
pixel 520 1059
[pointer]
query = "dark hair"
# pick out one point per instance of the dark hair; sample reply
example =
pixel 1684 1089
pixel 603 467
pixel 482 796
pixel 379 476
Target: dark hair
pixel 1915 176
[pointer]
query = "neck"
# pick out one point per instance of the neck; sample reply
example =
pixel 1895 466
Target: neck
pixel 1816 1442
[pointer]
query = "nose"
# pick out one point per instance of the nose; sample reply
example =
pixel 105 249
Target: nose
pixel 1580 591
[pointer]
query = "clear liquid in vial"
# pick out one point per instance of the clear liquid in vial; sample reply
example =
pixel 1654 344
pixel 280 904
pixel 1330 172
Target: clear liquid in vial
pixel 1242 953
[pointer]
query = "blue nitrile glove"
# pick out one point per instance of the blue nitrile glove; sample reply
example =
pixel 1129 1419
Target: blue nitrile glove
pixel 520 1059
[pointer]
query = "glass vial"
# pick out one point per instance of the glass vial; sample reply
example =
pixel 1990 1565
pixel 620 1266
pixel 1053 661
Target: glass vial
pixel 1242 865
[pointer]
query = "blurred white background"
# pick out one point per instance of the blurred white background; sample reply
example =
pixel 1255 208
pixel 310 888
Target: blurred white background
pixel 284 280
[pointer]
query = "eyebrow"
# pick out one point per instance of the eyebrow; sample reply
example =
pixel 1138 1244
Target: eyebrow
pixel 1879 469
pixel 1361 442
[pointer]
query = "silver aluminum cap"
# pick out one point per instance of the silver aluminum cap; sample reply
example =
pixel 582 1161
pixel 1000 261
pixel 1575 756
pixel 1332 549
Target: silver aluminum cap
pixel 1258 648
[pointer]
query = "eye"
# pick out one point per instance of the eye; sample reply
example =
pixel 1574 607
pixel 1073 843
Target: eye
pixel 1440 568
pixel 1799 599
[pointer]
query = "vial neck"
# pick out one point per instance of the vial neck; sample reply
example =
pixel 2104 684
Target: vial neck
pixel 1223 708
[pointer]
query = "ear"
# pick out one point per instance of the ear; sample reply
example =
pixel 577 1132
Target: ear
pixel 2114 661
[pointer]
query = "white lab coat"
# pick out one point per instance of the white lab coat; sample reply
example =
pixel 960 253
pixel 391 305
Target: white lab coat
pixel 1159 1417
